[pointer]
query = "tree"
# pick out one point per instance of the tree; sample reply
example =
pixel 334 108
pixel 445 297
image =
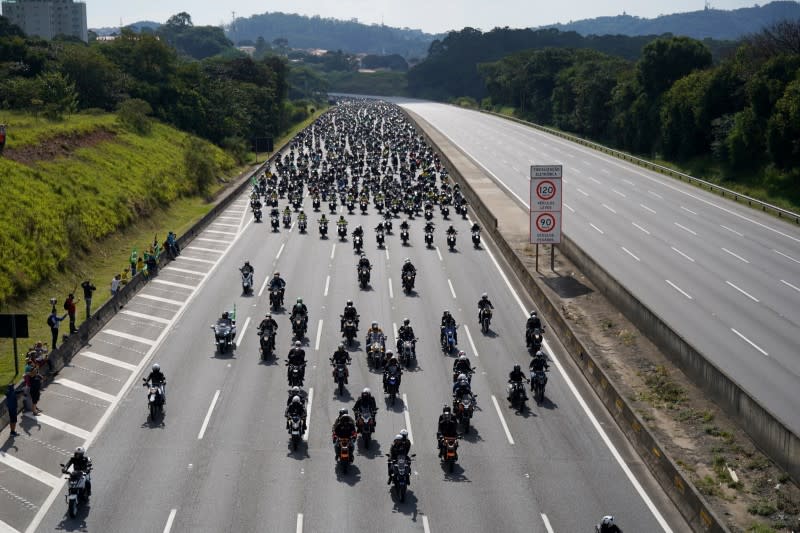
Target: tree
pixel 783 129
pixel 665 61
pixel 180 21
pixel 134 114
pixel 685 125
pixel 97 80
pixel 57 94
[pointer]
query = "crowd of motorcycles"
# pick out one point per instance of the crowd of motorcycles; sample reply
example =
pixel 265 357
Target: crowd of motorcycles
pixel 363 155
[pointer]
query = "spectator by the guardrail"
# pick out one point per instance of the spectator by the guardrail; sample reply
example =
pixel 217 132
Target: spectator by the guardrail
pixel 115 282
pixel 12 406
pixel 71 309
pixel 123 278
pixel 134 261
pixel 88 289
pixel 54 321
pixel 33 383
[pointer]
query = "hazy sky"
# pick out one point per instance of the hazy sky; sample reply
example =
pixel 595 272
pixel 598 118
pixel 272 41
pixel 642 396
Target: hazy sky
pixel 432 16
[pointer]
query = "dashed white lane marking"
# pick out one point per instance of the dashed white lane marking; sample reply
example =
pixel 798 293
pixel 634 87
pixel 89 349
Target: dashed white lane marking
pixel 391 292
pixel 333 251
pixel 582 191
pixel 206 239
pixel 595 180
pixel 327 284
pixel 199 249
pixel 170 520
pixel 681 253
pixel 678 289
pixel 452 290
pixel 387 253
pixel 280 251
pixel 684 228
pixel 240 334
pixel 173 284
pixel 58 424
pixel 299 528
pixel 228 218
pixel 688 210
pixel 128 336
pixel 737 256
pixel 731 230
pixel 471 342
pixel 786 256
pixel 751 343
pixel 159 299
pixel 408 420
pixel 319 335
pixel 503 419
pixel 647 208
pixel 630 253
pixel 596 228
pixel 790 285
pixel 184 270
pixel 619 193
pixel 195 259
pixel 145 317
pixel 224 224
pixel 208 416
pixel 309 401
pixel 656 195
pixel 610 209
pixel 29 470
pixel 547 525
pixel 568 207
pixel 425 526
pixel 637 226
pixel 109 360
pixel 743 291
pixel 91 391
pixel 439 254
pixel 263 286
pixel 221 232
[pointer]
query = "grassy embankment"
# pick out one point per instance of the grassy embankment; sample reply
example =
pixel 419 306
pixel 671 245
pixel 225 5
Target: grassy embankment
pixel 78 215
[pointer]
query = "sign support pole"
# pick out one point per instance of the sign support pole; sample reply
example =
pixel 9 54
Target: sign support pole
pixel 537 257
pixel 14 338
pixel 553 257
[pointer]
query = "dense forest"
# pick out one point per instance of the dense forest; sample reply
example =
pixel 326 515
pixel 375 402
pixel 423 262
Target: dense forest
pixel 227 99
pixel 741 115
pixel 709 23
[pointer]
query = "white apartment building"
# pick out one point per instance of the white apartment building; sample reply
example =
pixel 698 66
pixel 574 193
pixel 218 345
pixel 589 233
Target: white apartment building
pixel 48 18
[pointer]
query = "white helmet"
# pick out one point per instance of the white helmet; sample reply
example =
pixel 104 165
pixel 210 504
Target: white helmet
pixel 79 450
pixel 295 389
pixel 462 357
pixel 297 344
pixel 296 399
pixel 404 433
pixel 366 391
pixel 156 366
pixel 407 261
pixel 608 520
pixel 540 354
pixel 398 437
pixel 462 377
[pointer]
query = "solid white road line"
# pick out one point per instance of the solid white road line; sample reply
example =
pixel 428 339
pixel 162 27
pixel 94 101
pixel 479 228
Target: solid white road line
pixel 173 284
pixel 299 528
pixel 206 239
pixel 208 416
pixel 471 343
pixel 786 256
pixel 751 343
pixel 452 290
pixel 688 210
pixel 502 418
pixel 647 208
pixel 184 270
pixel 408 420
pixel 610 209
pixel 426 528
pixel 731 230
pixel 58 424
pixel 91 391
pixel 333 251
pixel 630 253
pixel 547 525
pixel 229 218
pixel 683 254
pixel 144 316
pixel 170 520
pixel 199 249
pixel 790 285
pixel 742 291
pixel 327 283
pixel 240 333
pixel 280 251
pixel 439 254
pixel 159 299
pixel 598 229
pixel 5 528
pixel 220 232
pixel 319 334
pixel 684 228
pixel 224 224
pixel 568 207
pixel 640 228
pixel 195 259
pixel 29 470
pixel 739 257
pixel 391 293
pixel 108 360
pixel 678 289
pixel 128 336
pixel 309 401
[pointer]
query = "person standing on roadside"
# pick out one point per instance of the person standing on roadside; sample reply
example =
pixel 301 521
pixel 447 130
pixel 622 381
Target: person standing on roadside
pixel 12 406
pixel 88 289
pixel 71 309
pixel 115 285
pixel 134 262
pixel 53 321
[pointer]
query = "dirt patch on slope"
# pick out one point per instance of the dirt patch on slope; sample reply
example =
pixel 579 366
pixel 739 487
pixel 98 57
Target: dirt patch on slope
pixel 58 146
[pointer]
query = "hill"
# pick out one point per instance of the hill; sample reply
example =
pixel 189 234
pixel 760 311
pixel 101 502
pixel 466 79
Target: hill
pixel 332 34
pixel 709 23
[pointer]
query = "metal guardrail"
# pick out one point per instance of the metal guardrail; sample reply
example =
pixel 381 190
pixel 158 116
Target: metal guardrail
pixel 724 192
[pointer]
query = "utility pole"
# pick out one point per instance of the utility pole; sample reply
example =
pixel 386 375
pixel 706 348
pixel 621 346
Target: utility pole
pixel 233 27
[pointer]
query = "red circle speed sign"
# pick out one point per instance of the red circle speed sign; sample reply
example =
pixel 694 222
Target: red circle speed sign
pixel 545 190
pixel 545 223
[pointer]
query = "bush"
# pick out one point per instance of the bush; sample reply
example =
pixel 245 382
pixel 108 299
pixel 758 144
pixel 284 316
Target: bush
pixel 237 147
pixel 201 169
pixel 133 114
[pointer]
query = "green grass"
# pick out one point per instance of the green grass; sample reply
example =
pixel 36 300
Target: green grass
pixel 108 255
pixel 23 129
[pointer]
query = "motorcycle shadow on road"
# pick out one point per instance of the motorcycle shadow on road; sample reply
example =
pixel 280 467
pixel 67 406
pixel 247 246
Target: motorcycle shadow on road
pixel 547 404
pixel 398 407
pixel 373 451
pixel 473 436
pixel 300 454
pixel 457 475
pixel 345 397
pixel 409 507
pixel 155 424
pixel 351 477
pixel 79 522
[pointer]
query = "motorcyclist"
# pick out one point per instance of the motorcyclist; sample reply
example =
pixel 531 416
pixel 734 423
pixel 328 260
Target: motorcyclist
pixel 157 379
pixel 83 463
pixel 451 230
pixel 296 391
pixel 363 262
pixel 404 225
pixel 392 369
pixel 297 357
pixel 379 228
pixel 268 323
pixel 341 222
pixel 375 334
pixel 516 376
pixel 406 333
pixel 408 268
pixel 358 232
pixel 429 227
pixel 343 427
pixel 277 282
pixel 247 268
pixel 349 313
pixel 302 216
pixel 448 321
pixel 296 407
pixel 607 525
pixel 365 401
pixel 341 357
pixel 300 309
pixel 475 227
pixel 323 220
pixel 462 364
pixel 226 320
pixel 401 446
pixel 461 387
pixel 484 303
pixel 533 323
pixel 448 427
pixel 287 212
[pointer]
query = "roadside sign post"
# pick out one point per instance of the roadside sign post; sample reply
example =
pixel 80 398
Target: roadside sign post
pixel 545 208
pixel 14 326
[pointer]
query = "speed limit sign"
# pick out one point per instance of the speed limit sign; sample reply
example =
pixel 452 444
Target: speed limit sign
pixel 546 227
pixel 545 204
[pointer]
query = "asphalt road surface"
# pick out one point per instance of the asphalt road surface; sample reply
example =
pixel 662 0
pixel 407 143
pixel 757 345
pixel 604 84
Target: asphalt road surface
pixel 726 277
pixel 221 461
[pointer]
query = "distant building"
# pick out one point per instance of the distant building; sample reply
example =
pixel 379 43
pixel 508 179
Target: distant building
pixel 48 18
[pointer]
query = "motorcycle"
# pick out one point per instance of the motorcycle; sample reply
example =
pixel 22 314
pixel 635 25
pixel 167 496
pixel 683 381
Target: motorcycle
pixel 363 277
pixel 315 203
pixel 257 215
pixel 404 236
pixel 296 430
pixel 449 339
pixel 275 222
pixel 358 243
pixel 516 395
pixel 155 400
pixel 345 452
pixel 323 231
pixel 449 454
pixel 376 354
pixel 295 375
pixel 464 408
pixel 350 331
pixel 429 239
pixel 445 212
pixel 364 206
pixel 365 422
pixel 401 475
pixel 387 224
pixel 538 382
pixel 267 343
pixel 299 327
pixel 486 319
pixel 535 340
pixel 275 298
pixel 408 283
pixel 408 352
pixel 350 207
pixel 332 207
pixel 428 214
pixel 392 386
pixel 340 374
pixel 302 225
pixel 247 283
pixel 379 238
pixel 451 240
pixel 223 336
pixel 287 220
pixel 342 233
pixel 78 489
pixel 476 238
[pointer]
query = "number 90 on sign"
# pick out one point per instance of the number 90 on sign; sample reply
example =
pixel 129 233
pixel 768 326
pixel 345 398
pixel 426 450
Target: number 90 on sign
pixel 545 227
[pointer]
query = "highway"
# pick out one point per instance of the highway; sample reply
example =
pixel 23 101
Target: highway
pixel 725 277
pixel 221 461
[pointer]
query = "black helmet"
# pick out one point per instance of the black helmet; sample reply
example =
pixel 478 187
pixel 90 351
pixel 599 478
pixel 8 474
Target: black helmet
pixel 516 368
pixel 349 303
pixel 446 409
pixel 406 322
pixel 342 412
